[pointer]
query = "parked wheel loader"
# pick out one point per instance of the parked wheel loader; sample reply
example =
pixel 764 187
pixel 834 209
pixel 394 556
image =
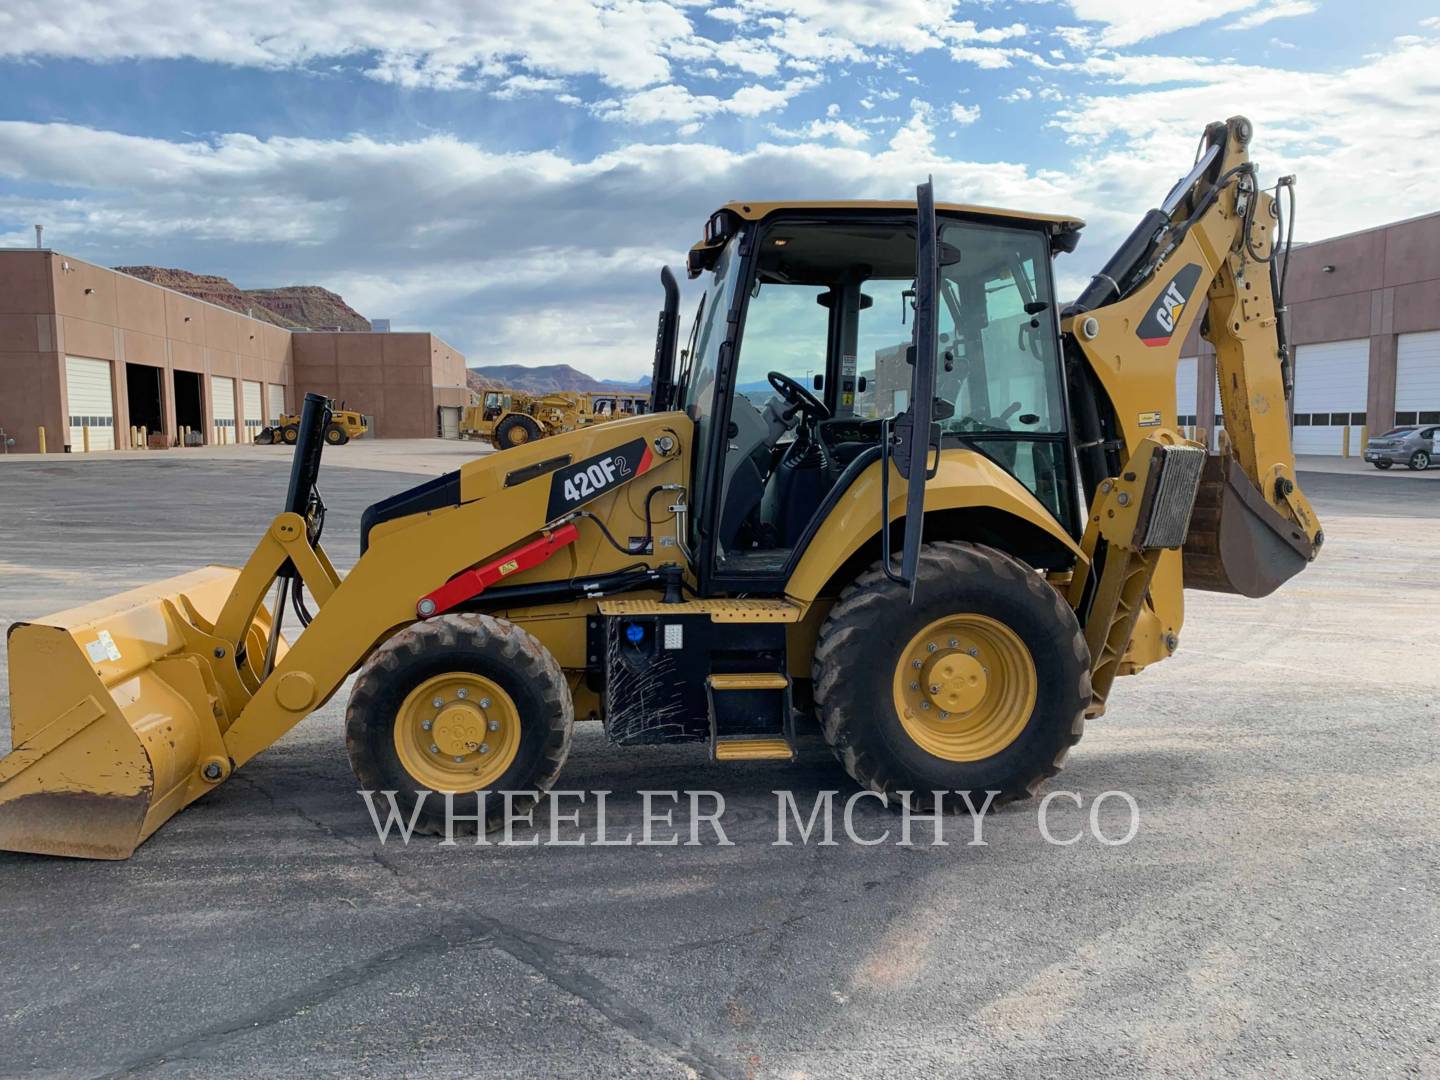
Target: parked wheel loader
pixel 949 589
pixel 343 425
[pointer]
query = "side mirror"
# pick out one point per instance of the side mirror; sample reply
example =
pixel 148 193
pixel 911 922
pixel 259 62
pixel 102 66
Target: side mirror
pixel 860 385
pixel 819 382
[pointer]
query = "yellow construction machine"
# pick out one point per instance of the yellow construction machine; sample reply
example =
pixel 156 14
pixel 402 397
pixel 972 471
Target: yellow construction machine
pixel 509 418
pixel 950 589
pixel 344 425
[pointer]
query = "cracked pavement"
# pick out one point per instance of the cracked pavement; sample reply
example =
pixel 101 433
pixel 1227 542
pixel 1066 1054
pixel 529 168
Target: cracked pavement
pixel 1275 914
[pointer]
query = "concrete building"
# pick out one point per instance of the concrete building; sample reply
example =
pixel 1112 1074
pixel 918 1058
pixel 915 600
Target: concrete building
pixel 87 353
pixel 1364 331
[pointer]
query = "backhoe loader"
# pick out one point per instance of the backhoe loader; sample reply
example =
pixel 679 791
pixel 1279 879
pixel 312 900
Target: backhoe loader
pixel 950 587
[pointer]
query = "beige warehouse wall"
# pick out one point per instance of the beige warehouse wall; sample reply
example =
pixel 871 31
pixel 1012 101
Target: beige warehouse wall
pixel 389 376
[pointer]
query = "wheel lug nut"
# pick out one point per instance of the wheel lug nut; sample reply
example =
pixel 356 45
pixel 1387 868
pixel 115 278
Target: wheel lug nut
pixel 425 724
pixel 973 651
pixel 944 715
pixel 494 725
pixel 458 760
pixel 438 702
pixel 952 643
pixel 484 702
pixel 924 705
pixel 916 664
pixel 484 748
pixel 914 686
pixel 462 694
pixel 930 646
pixel 434 749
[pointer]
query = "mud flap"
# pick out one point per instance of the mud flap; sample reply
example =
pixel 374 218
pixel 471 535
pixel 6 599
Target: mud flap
pixel 114 723
pixel 1238 543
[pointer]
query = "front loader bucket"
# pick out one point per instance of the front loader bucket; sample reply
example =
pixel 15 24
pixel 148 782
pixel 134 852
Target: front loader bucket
pixel 1237 542
pixel 115 717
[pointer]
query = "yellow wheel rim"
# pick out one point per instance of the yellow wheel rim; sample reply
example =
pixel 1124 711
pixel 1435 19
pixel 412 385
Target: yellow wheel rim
pixel 965 687
pixel 519 434
pixel 457 732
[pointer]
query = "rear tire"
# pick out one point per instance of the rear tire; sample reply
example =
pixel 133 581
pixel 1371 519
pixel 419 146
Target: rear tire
pixel 474 651
pixel 1033 691
pixel 516 430
pixel 1383 465
pixel 1419 461
pixel 291 434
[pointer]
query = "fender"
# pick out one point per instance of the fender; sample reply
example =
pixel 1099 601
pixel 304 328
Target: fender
pixel 966 478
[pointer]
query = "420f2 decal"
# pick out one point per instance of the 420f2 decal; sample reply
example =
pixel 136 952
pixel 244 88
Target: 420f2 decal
pixel 1158 326
pixel 577 484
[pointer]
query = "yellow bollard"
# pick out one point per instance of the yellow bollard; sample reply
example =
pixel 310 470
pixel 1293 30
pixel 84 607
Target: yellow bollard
pixel 85 437
pixel 1345 441
pixel 134 436
pixel 144 437
pixel 42 438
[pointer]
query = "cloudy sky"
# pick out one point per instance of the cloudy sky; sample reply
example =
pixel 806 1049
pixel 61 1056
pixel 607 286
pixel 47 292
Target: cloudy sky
pixel 512 175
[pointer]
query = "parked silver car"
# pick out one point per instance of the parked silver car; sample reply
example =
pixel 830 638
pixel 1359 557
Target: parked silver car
pixel 1411 445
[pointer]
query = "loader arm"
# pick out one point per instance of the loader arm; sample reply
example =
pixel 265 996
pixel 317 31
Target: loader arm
pixel 1250 528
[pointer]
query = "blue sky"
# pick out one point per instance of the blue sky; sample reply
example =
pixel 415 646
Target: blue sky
pixel 512 176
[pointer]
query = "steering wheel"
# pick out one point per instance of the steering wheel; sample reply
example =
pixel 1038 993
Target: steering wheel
pixel 797 397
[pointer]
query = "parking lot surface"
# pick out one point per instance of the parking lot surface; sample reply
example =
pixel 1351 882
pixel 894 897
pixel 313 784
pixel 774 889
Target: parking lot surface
pixel 1275 913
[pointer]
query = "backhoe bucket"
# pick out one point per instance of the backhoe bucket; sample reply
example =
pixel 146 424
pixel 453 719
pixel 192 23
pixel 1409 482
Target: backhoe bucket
pixel 1237 542
pixel 116 718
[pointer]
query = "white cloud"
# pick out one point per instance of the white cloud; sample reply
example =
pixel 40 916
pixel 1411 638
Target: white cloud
pixel 674 104
pixel 839 130
pixel 1278 9
pixel 964 114
pixel 1130 21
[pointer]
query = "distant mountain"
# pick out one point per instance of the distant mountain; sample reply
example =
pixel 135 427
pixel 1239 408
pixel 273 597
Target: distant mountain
pixel 546 379
pixel 295 307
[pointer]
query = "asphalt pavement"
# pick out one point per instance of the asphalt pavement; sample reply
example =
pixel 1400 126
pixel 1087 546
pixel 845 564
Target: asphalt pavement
pixel 1275 913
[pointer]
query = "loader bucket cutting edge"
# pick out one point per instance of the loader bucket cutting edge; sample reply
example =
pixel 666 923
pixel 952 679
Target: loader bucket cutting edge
pixel 113 718
pixel 1237 542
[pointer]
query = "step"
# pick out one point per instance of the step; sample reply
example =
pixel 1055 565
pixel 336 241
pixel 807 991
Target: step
pixel 740 749
pixel 763 680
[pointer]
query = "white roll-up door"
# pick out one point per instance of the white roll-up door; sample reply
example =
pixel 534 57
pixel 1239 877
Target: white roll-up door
pixel 450 421
pixel 253 420
pixel 1186 382
pixel 222 406
pixel 92 405
pixel 277 403
pixel 1417 378
pixel 1330 385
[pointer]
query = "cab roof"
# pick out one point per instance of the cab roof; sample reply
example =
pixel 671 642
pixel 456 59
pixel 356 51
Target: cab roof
pixel 754 211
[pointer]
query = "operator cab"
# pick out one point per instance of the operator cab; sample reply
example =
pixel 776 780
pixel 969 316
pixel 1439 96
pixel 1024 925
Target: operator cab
pixel 800 349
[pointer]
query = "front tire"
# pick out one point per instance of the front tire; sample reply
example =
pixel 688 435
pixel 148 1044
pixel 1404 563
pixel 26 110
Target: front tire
pixel 503 721
pixel 291 434
pixel 1419 461
pixel 980 685
pixel 516 430
pixel 1383 465
pixel 335 435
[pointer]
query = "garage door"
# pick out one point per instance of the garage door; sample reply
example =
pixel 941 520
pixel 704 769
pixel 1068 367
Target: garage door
pixel 92 405
pixel 277 403
pixel 253 420
pixel 1330 381
pixel 1417 379
pixel 1185 383
pixel 222 405
pixel 450 421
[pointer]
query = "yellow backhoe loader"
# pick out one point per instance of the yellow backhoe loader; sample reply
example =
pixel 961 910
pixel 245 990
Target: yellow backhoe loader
pixel 949 588
pixel 344 425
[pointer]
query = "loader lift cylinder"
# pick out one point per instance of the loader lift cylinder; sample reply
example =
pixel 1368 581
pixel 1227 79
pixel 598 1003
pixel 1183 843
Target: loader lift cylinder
pixel 305 466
